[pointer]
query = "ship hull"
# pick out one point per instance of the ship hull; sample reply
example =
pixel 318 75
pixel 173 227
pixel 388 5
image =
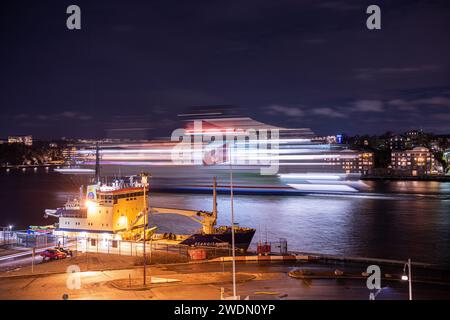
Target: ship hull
pixel 242 239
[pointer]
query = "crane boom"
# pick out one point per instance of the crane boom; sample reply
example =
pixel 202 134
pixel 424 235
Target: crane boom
pixel 206 218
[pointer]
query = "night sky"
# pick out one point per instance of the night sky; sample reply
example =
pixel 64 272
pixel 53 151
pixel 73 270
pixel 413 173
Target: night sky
pixel 138 64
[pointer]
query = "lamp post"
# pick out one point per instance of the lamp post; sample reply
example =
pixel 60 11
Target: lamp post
pixel 144 182
pixel 232 224
pixel 408 277
pixel 9 233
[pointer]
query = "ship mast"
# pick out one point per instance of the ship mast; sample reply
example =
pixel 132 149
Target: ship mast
pixel 214 212
pixel 97 163
pixel 233 248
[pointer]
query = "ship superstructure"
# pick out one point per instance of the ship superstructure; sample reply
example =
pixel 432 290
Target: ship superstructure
pixel 113 208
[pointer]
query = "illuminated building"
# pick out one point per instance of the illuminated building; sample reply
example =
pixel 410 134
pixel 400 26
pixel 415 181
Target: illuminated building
pixel 352 161
pixel 447 160
pixel 415 138
pixel 415 162
pixel 69 153
pixel 26 140
pixel 414 134
pixel 396 142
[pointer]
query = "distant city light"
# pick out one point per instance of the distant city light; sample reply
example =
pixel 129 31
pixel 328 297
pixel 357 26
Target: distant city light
pixel 310 176
pixel 323 187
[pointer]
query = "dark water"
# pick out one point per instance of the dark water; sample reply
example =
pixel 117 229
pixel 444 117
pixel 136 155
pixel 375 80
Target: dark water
pixel 397 220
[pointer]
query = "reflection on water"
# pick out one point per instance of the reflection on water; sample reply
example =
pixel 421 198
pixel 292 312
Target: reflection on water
pixel 395 229
pixel 396 220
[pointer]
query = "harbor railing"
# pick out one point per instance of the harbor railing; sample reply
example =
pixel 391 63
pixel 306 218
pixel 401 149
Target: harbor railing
pixel 7 237
pixel 101 244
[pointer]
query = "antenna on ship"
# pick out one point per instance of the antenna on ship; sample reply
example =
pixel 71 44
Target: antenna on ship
pixel 97 163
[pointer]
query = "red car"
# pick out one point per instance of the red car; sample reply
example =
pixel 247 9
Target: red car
pixel 53 254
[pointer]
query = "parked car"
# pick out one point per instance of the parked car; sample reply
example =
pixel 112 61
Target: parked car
pixel 53 254
pixel 65 250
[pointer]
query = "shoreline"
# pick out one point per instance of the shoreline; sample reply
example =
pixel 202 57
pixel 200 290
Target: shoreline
pixel 407 178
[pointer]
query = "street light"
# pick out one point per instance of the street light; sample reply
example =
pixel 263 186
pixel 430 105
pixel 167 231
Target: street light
pixel 233 248
pixel 144 182
pixel 408 277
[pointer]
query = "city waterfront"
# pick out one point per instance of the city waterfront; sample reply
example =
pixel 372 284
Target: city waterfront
pixel 235 151
pixel 392 220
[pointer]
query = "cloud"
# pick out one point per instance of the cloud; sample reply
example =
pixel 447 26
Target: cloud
pixel 442 116
pixel 328 112
pixel 368 106
pixel 72 115
pixel 69 114
pixel 286 111
pixel 402 105
pixel 21 116
pixel 370 73
pixel 437 101
pixel 84 117
pixel 413 105
pixel 56 116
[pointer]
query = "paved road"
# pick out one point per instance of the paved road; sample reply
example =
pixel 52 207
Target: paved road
pixel 204 281
pixel 318 288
